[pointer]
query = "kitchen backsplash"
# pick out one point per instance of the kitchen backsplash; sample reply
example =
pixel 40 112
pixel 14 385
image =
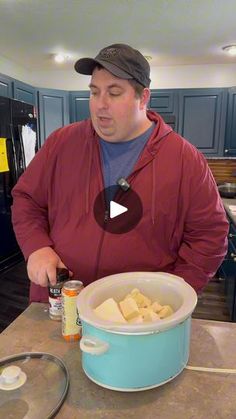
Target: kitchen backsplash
pixel 224 170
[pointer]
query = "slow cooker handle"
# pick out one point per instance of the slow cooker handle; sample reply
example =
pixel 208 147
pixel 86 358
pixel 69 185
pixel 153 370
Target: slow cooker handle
pixel 93 345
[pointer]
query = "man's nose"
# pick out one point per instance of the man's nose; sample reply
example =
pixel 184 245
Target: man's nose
pixel 103 101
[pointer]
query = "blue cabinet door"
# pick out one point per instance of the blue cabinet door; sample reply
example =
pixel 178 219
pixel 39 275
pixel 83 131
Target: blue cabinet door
pixel 24 92
pixel 230 141
pixel 79 106
pixel 202 118
pixel 162 101
pixel 53 108
pixel 165 102
pixel 5 86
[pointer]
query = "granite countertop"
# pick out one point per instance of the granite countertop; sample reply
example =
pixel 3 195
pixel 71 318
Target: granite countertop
pixel 220 157
pixel 227 203
pixel 191 395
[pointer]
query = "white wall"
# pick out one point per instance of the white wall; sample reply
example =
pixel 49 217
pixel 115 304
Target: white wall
pixel 186 76
pixel 11 69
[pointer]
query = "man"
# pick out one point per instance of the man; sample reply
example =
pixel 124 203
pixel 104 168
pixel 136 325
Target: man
pixel 183 228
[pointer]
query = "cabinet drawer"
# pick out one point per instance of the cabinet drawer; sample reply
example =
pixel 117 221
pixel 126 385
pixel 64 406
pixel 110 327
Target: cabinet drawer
pixel 162 101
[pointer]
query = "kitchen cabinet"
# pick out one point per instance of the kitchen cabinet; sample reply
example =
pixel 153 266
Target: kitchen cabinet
pixel 79 106
pixel 53 108
pixel 230 137
pixel 24 92
pixel 230 286
pixel 202 118
pixel 199 115
pixel 5 86
pixel 227 271
pixel 16 89
pixel 165 102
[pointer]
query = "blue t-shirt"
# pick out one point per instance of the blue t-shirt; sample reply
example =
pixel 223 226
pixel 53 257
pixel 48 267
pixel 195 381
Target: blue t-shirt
pixel 118 159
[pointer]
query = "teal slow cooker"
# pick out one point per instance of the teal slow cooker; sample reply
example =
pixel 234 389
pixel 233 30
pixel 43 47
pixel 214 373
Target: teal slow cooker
pixel 133 357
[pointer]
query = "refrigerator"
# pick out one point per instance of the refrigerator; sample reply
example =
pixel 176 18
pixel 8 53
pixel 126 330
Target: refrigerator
pixel 18 145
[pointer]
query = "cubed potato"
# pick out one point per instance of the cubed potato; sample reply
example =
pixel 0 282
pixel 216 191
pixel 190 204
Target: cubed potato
pixel 166 311
pixel 135 308
pixel 129 308
pixel 156 307
pixel 109 310
pixel 141 300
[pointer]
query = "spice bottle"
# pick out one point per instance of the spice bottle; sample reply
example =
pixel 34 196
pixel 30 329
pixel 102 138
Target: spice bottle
pixel 55 303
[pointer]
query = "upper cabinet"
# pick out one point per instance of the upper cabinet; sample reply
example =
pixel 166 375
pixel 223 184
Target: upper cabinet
pixel 5 86
pixel 79 106
pixel 202 118
pixel 24 92
pixel 165 102
pixel 16 89
pixel 199 115
pixel 53 108
pixel 230 137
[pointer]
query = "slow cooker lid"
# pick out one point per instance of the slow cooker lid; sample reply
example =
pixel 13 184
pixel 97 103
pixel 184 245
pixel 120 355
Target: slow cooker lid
pixel 32 385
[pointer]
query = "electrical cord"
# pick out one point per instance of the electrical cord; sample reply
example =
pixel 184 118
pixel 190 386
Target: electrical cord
pixel 206 369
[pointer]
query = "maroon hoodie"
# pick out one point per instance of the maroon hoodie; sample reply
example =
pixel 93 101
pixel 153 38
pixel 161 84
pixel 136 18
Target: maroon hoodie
pixel 183 229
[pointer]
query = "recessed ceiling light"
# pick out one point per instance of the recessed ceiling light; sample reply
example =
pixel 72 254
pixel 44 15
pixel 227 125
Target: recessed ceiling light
pixel 230 49
pixel 61 58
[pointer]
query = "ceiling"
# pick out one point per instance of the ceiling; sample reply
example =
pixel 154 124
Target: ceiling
pixel 172 32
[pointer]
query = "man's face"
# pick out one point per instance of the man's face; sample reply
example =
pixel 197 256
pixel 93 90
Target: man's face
pixel 116 113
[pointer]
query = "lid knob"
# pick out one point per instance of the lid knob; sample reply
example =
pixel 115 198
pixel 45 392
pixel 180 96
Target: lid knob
pixel 12 377
pixel 11 374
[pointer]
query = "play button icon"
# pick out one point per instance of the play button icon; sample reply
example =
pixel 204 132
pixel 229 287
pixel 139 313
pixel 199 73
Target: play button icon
pixel 117 211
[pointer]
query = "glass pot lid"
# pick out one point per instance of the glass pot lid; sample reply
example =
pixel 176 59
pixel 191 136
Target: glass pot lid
pixel 33 385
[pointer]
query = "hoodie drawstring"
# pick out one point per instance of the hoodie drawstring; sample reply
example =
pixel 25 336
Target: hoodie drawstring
pixel 153 192
pixel 90 151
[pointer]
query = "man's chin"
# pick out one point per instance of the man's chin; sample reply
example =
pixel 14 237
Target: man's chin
pixel 106 135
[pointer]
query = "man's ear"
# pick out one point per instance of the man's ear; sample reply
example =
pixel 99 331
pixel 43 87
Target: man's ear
pixel 145 98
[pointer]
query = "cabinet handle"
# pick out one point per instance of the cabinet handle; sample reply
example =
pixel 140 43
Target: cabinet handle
pixel 233 255
pixel 226 150
pixel 232 235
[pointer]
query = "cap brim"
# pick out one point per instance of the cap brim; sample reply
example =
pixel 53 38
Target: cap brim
pixel 87 65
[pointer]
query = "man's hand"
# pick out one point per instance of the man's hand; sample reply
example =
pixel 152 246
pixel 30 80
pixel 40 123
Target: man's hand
pixel 42 266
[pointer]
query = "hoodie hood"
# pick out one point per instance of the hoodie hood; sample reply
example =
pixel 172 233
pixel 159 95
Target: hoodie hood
pixel 159 133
